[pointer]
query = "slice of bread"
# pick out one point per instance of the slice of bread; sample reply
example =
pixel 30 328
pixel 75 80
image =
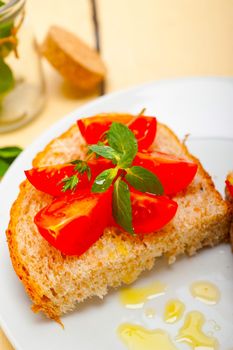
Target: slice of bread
pixel 56 283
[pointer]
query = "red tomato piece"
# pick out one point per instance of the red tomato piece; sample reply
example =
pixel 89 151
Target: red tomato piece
pixel 49 179
pixel 144 128
pixel 73 223
pixel 229 184
pixel 93 128
pixel 174 173
pixel 150 212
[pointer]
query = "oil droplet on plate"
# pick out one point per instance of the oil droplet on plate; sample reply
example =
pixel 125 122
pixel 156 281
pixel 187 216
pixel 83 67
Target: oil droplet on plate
pixel 207 292
pixel 138 338
pixel 214 325
pixel 192 333
pixel 217 327
pixel 174 310
pixel 210 333
pixel 149 312
pixel 135 297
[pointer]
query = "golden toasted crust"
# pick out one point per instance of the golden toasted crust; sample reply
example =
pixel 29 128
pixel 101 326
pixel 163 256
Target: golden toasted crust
pixel 55 282
pixel 32 288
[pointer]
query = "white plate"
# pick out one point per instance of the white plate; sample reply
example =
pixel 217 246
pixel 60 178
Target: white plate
pixel 201 107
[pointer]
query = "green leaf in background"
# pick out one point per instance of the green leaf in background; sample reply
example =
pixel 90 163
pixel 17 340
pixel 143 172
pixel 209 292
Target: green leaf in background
pixel 7 156
pixel 3 167
pixel 104 180
pixel 105 151
pixel 122 139
pixel 10 152
pixel 121 206
pixel 5 31
pixel 144 180
pixel 6 77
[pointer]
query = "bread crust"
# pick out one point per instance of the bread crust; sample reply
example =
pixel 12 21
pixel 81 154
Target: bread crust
pixel 158 244
pixel 32 288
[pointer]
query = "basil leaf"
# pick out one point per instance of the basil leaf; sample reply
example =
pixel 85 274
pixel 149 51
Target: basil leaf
pixel 121 206
pixel 105 151
pixel 122 139
pixel 6 77
pixel 104 180
pixel 10 152
pixel 3 167
pixel 144 180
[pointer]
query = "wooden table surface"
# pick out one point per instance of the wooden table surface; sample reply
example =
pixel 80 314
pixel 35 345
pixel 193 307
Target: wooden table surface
pixel 141 40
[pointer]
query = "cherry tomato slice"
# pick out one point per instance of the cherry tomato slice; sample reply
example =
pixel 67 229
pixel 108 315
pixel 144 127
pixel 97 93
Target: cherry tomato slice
pixel 93 128
pixel 174 173
pixel 229 184
pixel 143 127
pixel 151 212
pixel 73 223
pixel 49 179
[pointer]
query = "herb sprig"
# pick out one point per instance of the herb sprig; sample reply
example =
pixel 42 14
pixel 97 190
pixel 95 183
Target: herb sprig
pixel 122 150
pixel 81 166
pixel 120 147
pixel 71 182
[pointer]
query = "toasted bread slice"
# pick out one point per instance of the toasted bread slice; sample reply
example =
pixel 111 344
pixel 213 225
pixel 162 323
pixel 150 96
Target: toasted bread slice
pixel 56 283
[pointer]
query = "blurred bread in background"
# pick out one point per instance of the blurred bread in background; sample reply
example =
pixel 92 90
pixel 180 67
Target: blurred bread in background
pixel 79 64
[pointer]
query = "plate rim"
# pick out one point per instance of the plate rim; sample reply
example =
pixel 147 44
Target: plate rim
pixel 66 121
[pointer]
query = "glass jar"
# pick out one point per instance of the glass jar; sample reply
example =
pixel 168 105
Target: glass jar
pixel 22 88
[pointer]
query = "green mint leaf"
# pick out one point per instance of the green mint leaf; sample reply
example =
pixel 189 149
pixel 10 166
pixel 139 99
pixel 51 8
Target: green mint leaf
pixel 10 152
pixel 82 166
pixel 70 183
pixel 122 139
pixel 3 167
pixel 2 3
pixel 100 143
pixel 106 152
pixel 104 180
pixel 6 77
pixel 121 206
pixel 144 180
